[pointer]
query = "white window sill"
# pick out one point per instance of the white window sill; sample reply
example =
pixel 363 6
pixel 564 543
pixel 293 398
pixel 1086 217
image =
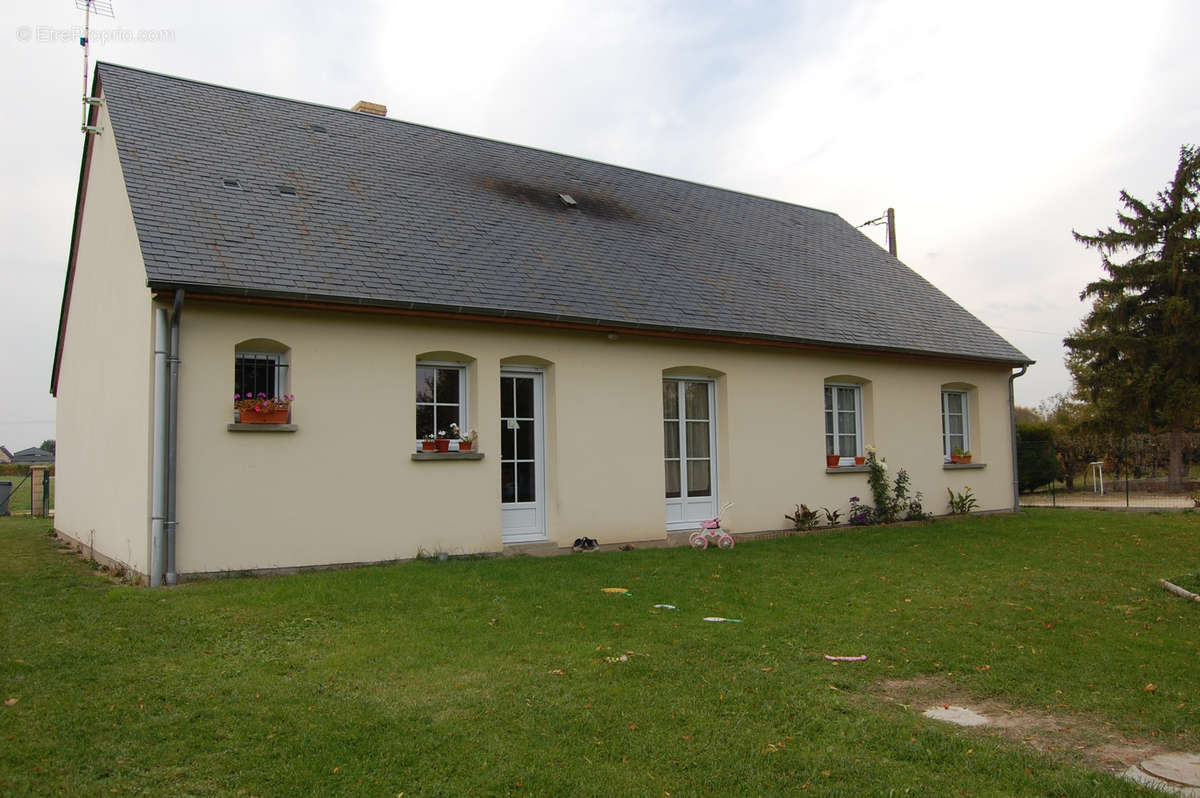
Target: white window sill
pixel 956 466
pixel 850 469
pixel 262 427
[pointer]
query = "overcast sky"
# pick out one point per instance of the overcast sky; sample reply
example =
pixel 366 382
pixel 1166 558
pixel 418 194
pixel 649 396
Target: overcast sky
pixel 992 129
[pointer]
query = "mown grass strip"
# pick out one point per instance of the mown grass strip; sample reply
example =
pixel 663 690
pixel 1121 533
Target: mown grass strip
pixel 503 676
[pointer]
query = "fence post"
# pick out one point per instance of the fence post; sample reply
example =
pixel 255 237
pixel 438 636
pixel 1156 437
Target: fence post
pixel 1126 458
pixel 1053 482
pixel 37 495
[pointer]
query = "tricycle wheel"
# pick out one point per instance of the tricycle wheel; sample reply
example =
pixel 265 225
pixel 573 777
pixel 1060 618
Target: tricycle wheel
pixel 698 540
pixel 725 541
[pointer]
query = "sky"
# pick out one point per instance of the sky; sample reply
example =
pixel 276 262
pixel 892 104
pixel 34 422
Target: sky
pixel 994 130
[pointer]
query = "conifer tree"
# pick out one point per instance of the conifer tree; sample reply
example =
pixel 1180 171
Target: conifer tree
pixel 1136 356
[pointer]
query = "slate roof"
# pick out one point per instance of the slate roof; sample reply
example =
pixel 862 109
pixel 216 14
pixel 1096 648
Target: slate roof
pixel 386 212
pixel 32 455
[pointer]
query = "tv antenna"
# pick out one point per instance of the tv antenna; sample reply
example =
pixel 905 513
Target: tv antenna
pixel 889 219
pixel 88 7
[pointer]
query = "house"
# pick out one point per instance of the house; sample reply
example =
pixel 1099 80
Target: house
pixel 5 455
pixel 33 456
pixel 634 351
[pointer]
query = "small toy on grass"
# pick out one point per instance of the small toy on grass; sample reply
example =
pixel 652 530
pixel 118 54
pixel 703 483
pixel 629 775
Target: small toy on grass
pixel 859 658
pixel 711 531
pixel 715 619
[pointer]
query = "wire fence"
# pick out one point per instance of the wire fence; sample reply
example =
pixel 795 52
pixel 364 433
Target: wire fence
pixel 26 492
pixel 1105 471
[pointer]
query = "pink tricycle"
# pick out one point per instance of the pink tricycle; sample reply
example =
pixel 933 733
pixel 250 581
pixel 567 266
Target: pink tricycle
pixel 711 531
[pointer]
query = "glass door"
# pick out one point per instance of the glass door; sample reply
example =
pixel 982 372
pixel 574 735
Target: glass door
pixel 689 448
pixel 522 478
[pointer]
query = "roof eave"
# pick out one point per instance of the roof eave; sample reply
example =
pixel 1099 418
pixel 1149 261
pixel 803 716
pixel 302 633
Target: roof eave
pixel 316 301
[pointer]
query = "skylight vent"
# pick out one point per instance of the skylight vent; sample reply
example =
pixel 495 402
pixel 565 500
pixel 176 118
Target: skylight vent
pixel 232 183
pixel 568 200
pixel 288 190
pixel 318 128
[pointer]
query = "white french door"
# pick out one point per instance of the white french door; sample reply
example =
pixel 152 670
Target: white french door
pixel 522 456
pixel 689 451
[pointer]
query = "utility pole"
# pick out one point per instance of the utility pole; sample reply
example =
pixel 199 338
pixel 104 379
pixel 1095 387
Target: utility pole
pixel 891 224
pixel 889 219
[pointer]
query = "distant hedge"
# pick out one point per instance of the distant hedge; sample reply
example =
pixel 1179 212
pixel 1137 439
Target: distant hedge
pixel 13 469
pixel 1037 461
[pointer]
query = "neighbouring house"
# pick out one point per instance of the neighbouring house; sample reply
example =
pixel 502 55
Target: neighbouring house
pixel 5 455
pixel 634 350
pixel 33 456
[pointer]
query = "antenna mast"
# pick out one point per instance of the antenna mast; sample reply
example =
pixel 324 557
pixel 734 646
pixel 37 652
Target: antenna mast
pixel 103 8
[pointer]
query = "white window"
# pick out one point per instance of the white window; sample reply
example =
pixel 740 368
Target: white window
pixel 441 398
pixel 955 423
pixel 257 373
pixel 843 421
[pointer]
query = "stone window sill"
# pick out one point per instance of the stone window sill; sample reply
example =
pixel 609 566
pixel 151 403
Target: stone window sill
pixel 855 469
pixel 447 455
pixel 957 466
pixel 262 427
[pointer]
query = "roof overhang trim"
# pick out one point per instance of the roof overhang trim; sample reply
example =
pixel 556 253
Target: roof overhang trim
pixel 309 301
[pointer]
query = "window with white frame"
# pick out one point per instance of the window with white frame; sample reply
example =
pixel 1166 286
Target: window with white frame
pixel 955 423
pixel 256 373
pixel 843 421
pixel 441 397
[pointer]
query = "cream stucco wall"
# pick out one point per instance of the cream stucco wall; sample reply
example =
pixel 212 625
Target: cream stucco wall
pixel 343 488
pixel 103 408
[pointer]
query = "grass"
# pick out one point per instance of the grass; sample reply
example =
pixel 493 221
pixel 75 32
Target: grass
pixel 493 677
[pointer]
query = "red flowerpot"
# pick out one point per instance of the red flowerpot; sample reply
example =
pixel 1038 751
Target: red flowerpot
pixel 860 461
pixel 279 416
pixel 832 460
pixel 429 446
pixel 465 446
pixel 443 444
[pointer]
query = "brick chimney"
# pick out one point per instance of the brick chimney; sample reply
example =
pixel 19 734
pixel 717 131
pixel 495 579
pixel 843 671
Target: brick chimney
pixel 367 107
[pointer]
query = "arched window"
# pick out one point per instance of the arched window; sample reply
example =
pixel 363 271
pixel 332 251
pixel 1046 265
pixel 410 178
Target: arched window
pixel 260 365
pixel 956 418
pixel 844 418
pixel 442 393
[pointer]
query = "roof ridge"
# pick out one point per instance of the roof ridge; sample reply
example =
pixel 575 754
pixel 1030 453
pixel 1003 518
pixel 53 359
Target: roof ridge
pixel 524 147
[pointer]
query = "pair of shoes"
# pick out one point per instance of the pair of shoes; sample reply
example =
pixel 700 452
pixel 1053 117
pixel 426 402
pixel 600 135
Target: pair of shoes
pixel 585 544
pixel 626 547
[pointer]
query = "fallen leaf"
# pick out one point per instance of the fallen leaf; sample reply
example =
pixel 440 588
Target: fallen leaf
pixel 1150 688
pixel 557 672
pixel 9 702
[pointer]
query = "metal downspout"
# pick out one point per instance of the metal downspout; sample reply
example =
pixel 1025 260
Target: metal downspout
pixel 172 576
pixel 1012 420
pixel 159 461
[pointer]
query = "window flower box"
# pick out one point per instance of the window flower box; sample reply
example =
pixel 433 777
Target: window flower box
pixel 277 416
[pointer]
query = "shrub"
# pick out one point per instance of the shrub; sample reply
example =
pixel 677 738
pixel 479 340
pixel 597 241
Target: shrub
pixel 1037 463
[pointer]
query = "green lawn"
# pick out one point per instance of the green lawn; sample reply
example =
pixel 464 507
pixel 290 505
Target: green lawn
pixel 493 677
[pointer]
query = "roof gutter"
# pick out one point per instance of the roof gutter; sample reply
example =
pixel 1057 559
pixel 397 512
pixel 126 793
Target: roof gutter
pixel 1012 420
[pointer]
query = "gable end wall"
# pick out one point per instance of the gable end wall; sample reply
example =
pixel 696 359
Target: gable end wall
pixel 104 382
